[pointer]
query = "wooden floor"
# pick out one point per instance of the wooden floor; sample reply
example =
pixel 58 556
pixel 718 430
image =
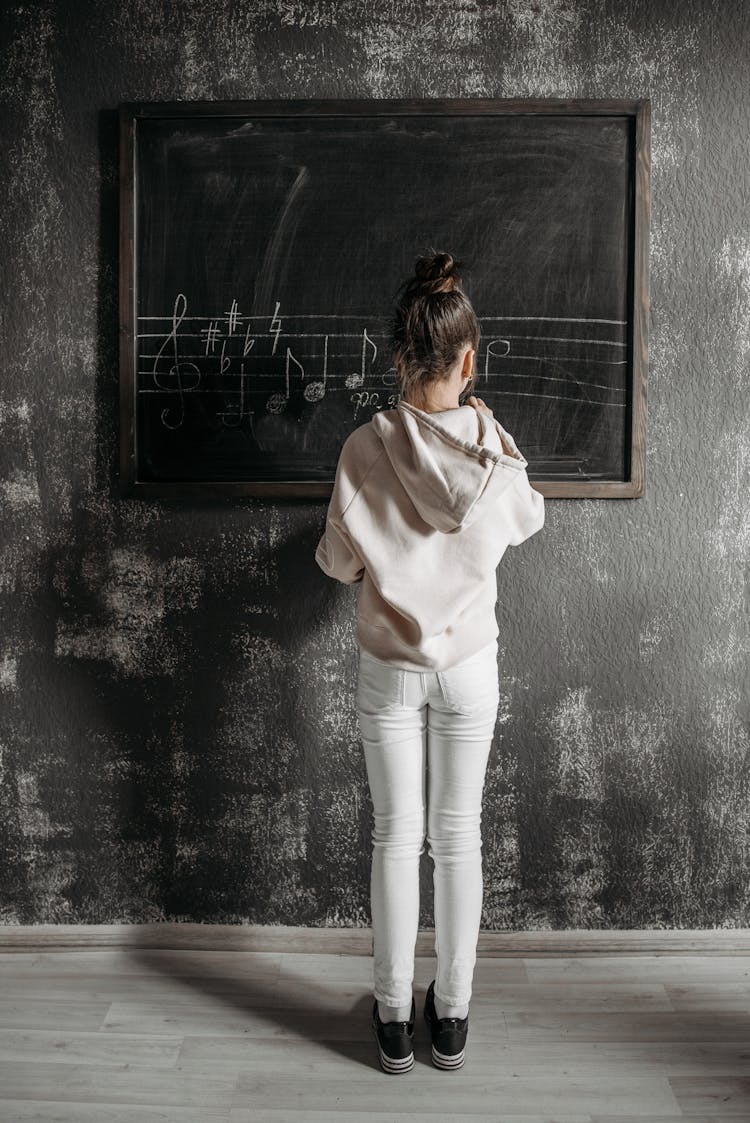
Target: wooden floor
pixel 132 1035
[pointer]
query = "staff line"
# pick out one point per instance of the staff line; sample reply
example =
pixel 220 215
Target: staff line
pixel 510 393
pixel 565 359
pixel 331 377
pixel 349 355
pixel 560 398
pixel 348 316
pixel 569 339
pixel 385 335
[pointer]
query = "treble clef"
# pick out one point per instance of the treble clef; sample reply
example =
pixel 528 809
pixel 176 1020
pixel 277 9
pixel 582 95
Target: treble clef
pixel 176 370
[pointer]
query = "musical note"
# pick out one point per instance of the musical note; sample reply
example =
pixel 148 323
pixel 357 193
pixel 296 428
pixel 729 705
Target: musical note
pixel 289 356
pixel 178 315
pixel 357 378
pixel 316 389
pixel 320 341
pixel 277 403
pixel 492 353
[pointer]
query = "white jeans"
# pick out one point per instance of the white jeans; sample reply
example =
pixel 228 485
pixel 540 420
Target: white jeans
pixel 427 737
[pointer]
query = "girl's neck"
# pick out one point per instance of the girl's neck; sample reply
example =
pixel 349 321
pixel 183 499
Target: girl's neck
pixel 435 407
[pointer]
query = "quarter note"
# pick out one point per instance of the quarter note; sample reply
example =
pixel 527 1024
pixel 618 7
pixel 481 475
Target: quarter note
pixel 316 388
pixel 357 378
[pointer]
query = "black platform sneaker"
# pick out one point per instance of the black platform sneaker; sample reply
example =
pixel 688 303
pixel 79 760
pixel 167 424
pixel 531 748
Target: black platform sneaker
pixel 448 1034
pixel 394 1041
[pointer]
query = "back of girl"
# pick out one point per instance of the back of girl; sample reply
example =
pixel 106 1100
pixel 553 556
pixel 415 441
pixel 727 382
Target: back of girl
pixel 427 498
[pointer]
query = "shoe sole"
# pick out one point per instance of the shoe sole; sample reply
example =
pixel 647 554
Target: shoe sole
pixel 391 1066
pixel 443 1060
pixel 440 1060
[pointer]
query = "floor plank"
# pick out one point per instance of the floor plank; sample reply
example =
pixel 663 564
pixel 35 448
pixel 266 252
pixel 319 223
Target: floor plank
pixel 40 1111
pixel 153 1035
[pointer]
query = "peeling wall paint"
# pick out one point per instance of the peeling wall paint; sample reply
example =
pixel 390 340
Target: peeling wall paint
pixel 178 738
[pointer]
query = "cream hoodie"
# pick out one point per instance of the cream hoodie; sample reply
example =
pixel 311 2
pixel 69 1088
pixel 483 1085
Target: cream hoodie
pixel 422 510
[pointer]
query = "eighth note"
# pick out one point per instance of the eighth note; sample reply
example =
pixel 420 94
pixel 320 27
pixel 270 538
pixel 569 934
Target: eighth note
pixel 277 403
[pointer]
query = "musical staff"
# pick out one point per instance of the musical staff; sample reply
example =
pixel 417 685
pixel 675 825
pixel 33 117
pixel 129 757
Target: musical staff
pixel 242 366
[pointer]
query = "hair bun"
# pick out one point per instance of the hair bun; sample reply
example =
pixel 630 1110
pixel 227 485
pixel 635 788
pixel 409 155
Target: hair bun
pixel 437 272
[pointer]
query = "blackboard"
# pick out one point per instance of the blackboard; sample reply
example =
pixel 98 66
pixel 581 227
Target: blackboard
pixel 262 244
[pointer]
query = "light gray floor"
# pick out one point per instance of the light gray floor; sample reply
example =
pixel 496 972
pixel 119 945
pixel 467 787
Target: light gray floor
pixel 145 1035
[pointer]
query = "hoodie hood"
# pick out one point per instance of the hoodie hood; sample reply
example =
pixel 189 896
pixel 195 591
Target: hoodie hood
pixel 448 461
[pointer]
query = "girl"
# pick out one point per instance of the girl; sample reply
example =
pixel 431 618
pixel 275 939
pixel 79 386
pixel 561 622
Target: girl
pixel 426 499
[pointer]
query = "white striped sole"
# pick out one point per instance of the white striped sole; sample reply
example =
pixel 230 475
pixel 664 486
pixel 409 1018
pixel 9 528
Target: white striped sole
pixel 388 1064
pixel 440 1060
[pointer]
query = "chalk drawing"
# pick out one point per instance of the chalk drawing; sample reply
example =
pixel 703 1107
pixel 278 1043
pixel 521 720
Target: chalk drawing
pixel 229 358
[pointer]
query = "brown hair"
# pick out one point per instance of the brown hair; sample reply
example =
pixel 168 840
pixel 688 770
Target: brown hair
pixel 433 321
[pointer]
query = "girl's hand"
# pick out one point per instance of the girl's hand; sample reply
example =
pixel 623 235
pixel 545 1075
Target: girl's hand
pixel 477 403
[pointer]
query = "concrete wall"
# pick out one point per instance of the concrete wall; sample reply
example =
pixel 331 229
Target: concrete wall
pixel 178 737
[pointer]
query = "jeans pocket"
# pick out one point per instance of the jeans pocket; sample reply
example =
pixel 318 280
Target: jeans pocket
pixel 380 686
pixel 472 686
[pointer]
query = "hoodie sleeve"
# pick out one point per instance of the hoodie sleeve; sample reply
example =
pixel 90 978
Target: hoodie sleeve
pixel 336 553
pixel 523 510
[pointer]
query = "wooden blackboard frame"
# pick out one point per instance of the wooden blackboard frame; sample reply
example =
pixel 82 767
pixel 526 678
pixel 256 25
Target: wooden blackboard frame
pixel 633 486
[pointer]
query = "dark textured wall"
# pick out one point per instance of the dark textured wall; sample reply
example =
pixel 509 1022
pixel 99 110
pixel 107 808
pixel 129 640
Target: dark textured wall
pixel 178 737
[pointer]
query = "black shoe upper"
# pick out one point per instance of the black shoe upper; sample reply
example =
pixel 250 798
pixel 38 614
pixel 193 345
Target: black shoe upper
pixel 448 1034
pixel 395 1037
